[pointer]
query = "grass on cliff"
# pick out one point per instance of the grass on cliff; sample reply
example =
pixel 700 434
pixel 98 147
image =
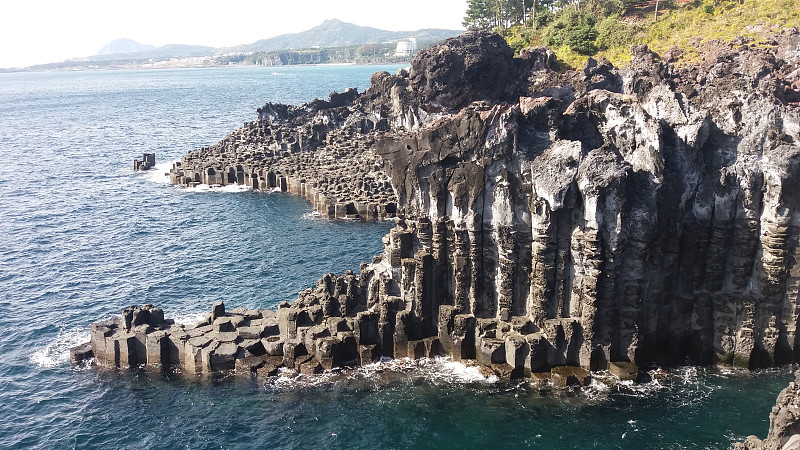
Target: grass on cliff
pixel 683 26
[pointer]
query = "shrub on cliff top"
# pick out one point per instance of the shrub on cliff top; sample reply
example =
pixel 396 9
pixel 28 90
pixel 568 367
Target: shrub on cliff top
pixel 581 39
pixel 611 33
pixel 574 27
pixel 570 34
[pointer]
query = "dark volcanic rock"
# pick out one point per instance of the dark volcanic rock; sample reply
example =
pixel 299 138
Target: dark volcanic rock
pixel 602 218
pixel 468 68
pixel 784 422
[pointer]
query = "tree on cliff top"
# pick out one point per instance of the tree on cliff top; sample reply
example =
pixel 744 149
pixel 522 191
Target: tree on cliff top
pixel 479 15
pixel 574 29
pixel 501 14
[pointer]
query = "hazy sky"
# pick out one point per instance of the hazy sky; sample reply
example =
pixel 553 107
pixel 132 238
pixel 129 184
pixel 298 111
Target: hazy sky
pixel 42 31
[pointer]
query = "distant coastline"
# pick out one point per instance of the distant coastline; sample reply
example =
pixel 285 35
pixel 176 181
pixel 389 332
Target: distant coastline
pixel 167 65
pixel 332 42
pixel 196 62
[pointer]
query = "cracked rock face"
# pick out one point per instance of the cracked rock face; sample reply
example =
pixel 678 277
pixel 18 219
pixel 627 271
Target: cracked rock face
pixel 599 218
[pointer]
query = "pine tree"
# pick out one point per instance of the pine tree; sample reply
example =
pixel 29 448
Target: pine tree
pixel 480 15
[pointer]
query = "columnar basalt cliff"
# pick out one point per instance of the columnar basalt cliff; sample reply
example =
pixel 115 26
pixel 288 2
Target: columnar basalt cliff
pixel 605 218
pixel 319 150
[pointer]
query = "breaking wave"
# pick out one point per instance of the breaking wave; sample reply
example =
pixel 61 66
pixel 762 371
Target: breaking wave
pixel 187 318
pixel 229 188
pixel 436 371
pixel 159 174
pixel 56 353
pixel 312 215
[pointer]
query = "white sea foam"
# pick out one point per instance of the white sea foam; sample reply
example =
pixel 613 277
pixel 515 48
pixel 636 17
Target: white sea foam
pixel 312 215
pixel 600 386
pixel 57 351
pixel 437 371
pixel 688 374
pixel 160 173
pixel 604 384
pixel 189 318
pixel 230 188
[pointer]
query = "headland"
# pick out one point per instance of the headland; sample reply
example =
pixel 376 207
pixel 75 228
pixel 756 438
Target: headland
pixel 548 222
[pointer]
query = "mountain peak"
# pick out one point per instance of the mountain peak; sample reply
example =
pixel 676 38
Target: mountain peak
pixel 337 33
pixel 119 46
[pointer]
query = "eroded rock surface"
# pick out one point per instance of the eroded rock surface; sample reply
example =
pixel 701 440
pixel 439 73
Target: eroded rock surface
pixel 544 219
pixel 784 422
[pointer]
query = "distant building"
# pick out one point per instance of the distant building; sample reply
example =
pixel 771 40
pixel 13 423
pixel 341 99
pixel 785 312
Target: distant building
pixel 406 47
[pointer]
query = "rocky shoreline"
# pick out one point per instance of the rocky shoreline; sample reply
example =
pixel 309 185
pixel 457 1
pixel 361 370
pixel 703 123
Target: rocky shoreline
pixel 320 151
pixel 267 342
pixel 547 221
pixel 784 422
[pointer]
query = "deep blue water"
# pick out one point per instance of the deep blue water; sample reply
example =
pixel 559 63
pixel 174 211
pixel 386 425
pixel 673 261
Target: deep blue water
pixel 81 237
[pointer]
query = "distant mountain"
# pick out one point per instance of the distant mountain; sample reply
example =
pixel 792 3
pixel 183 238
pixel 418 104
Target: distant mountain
pixel 120 46
pixel 335 33
pixel 166 52
pixel 331 34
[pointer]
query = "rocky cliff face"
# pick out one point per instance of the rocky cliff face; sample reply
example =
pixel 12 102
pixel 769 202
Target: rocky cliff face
pixel 626 215
pixel 546 218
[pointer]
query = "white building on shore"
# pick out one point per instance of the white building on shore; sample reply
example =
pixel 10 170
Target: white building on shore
pixel 406 47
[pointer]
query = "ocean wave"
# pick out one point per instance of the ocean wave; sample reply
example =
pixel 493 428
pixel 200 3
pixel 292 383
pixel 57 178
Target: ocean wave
pixel 436 371
pixel 159 174
pixel 312 215
pixel 228 188
pixel 56 353
pixel 188 318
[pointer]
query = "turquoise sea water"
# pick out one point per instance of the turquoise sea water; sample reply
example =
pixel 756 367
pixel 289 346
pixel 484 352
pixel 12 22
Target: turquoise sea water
pixel 81 237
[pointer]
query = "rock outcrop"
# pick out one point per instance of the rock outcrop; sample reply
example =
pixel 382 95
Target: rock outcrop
pixel 784 422
pixel 147 162
pixel 320 150
pixel 605 218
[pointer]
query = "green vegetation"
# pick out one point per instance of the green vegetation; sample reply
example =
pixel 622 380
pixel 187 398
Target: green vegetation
pixel 359 54
pixel 575 29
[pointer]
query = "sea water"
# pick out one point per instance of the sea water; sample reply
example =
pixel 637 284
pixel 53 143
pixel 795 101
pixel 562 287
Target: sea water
pixel 82 237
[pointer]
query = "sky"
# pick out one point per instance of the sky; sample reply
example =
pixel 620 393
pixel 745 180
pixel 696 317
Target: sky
pixel 43 31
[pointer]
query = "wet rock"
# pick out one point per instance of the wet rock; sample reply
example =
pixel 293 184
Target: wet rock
pixel 563 376
pixel 624 370
pixel 128 350
pixel 156 345
pixel 81 353
pixel 784 422
pixel 147 162
pixel 491 351
pixel 223 357
pixel 249 364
